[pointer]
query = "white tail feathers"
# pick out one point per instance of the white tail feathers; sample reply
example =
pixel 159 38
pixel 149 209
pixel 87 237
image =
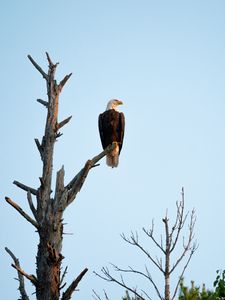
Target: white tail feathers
pixel 112 159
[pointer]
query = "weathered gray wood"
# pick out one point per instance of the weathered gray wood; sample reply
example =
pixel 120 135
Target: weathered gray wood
pixel 21 211
pixel 50 206
pixel 69 291
pixel 25 187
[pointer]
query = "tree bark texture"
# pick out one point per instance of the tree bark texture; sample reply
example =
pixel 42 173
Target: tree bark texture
pixel 49 208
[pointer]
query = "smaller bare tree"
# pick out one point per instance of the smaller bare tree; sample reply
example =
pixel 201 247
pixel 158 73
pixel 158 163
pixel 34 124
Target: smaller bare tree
pixel 166 246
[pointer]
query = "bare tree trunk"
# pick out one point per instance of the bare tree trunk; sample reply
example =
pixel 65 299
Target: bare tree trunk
pixel 167 260
pixel 50 230
pixel 50 206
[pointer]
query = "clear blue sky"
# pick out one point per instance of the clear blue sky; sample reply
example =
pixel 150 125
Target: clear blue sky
pixel 166 61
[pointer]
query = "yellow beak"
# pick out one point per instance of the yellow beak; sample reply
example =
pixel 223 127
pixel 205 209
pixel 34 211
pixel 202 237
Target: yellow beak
pixel 120 102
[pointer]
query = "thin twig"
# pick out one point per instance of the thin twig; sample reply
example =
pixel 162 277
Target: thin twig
pixel 108 277
pixel 150 234
pixel 134 241
pixel 40 148
pixel 147 276
pixel 187 247
pixel 184 268
pixel 63 276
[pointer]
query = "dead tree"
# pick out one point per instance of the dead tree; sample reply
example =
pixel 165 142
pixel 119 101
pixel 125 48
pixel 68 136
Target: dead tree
pixel 49 206
pixel 166 247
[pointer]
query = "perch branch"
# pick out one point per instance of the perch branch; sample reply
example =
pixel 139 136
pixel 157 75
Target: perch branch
pixel 68 293
pixel 76 183
pixel 94 160
pixel 25 187
pixel 19 209
pixel 20 276
pixel 38 67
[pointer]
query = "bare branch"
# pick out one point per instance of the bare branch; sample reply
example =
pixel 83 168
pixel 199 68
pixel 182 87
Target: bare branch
pixel 63 275
pixel 76 183
pixel 150 234
pixel 194 248
pixel 19 209
pixel 95 294
pixel 64 122
pixel 98 297
pixel 33 209
pixel 25 187
pixel 147 276
pixel 134 241
pixel 107 277
pixel 180 221
pixel 68 293
pixel 63 81
pixel 40 148
pixel 38 67
pixel 187 247
pixel 153 283
pixel 20 276
pixel 43 102
pixel 51 64
pixel 32 278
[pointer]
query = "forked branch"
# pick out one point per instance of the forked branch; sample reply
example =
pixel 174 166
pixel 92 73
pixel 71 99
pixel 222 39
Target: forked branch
pixel 171 236
pixel 107 276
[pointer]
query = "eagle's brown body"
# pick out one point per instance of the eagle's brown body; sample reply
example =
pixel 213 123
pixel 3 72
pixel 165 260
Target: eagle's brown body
pixel 111 128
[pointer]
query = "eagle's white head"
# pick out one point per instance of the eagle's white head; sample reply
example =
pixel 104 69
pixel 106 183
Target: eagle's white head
pixel 112 104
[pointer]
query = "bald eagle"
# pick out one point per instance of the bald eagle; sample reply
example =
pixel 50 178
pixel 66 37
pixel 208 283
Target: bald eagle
pixel 111 125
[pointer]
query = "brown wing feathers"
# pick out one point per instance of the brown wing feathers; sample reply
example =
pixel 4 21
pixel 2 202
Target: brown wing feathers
pixel 111 127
